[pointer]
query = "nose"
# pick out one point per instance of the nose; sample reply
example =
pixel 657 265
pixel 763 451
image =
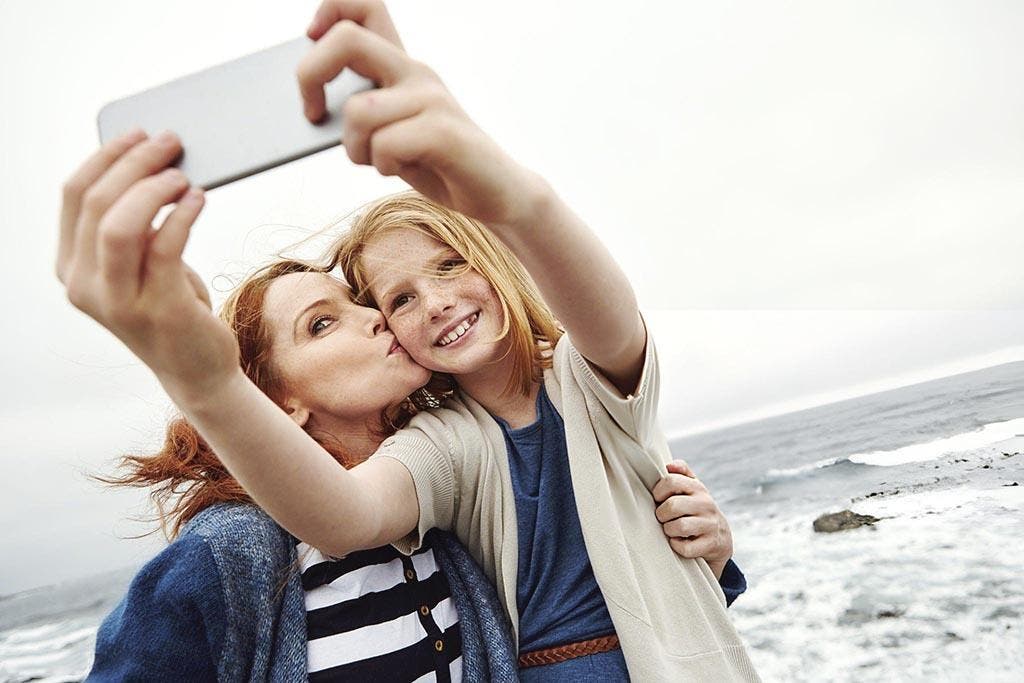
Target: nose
pixel 437 300
pixel 375 322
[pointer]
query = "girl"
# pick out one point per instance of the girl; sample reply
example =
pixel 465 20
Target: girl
pixel 226 600
pixel 460 303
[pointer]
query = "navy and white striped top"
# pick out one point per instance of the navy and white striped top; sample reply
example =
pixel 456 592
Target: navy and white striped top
pixel 378 614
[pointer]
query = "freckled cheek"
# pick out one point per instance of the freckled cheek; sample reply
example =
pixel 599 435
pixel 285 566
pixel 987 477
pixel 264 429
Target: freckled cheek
pixel 406 333
pixel 488 298
pixel 482 291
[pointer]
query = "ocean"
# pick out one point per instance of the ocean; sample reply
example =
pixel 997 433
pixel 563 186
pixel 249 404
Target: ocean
pixel 933 591
pixel 930 592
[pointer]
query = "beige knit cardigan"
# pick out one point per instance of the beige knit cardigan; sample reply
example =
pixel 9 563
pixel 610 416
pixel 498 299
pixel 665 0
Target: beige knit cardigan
pixel 669 612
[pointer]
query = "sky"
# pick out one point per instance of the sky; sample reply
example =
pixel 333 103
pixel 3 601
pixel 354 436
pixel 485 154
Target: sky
pixel 812 201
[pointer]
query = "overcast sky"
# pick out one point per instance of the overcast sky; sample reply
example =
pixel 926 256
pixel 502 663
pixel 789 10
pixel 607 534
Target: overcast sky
pixel 812 199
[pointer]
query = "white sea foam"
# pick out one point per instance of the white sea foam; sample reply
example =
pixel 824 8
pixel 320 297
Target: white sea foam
pixel 910 506
pixel 18 644
pixel 802 469
pixel 986 436
pixel 55 652
pixel 32 635
pixel 931 593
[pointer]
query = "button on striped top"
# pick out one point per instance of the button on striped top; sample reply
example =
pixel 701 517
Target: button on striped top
pixel 379 614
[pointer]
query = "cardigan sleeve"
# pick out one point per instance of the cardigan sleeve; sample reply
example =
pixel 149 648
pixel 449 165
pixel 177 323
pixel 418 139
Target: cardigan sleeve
pixel 170 625
pixel 636 414
pixel 426 448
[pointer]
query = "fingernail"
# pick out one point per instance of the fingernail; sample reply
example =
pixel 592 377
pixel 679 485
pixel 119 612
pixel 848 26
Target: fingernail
pixel 166 138
pixel 173 174
pixel 193 196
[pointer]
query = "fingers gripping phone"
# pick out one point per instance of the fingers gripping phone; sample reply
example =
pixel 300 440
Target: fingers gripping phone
pixel 238 118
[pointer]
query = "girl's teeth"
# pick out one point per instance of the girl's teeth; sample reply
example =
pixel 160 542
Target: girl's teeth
pixel 457 332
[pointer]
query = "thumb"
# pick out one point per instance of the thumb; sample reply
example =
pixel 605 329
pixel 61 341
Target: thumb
pixel 202 293
pixel 169 241
pixel 163 261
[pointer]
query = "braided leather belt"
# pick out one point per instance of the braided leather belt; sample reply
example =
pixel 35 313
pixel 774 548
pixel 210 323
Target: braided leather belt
pixel 562 653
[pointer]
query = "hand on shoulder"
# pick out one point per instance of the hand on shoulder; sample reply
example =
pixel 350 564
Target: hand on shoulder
pixel 691 519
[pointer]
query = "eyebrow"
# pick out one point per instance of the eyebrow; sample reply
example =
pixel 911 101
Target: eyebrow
pixel 303 312
pixel 443 254
pixel 386 294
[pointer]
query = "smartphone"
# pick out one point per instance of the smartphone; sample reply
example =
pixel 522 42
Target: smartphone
pixel 238 118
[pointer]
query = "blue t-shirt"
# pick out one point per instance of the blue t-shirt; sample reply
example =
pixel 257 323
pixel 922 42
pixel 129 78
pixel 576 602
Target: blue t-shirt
pixel 557 595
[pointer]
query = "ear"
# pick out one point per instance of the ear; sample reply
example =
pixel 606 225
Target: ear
pixel 296 411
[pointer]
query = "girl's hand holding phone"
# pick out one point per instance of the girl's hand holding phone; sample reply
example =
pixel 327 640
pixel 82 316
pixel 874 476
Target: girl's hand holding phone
pixel 129 276
pixel 410 126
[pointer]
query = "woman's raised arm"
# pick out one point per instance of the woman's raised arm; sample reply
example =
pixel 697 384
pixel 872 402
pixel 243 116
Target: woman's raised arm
pixel 132 280
pixel 412 127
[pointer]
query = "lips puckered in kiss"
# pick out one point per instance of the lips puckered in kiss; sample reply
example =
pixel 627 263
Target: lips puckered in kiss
pixel 457 330
pixel 395 346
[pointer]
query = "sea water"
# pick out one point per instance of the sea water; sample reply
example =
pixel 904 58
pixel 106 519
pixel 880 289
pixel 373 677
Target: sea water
pixel 931 592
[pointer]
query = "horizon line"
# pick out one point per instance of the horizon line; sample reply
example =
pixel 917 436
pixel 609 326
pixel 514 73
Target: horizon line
pixel 965 365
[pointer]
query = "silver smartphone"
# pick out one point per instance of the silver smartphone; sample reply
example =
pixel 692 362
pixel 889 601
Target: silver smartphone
pixel 238 118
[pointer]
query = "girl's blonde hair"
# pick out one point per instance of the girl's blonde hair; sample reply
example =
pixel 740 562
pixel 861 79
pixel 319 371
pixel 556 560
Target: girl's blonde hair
pixel 527 321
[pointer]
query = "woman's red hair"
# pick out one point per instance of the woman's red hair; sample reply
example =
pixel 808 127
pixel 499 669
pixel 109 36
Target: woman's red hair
pixel 185 475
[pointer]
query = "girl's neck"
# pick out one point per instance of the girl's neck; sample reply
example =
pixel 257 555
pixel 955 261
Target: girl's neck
pixel 487 387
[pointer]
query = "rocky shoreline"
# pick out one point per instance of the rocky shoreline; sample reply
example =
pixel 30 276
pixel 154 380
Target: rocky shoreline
pixel 1001 465
pixel 911 574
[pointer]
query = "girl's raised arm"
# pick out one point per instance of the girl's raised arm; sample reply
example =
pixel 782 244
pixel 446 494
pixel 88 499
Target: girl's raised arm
pixel 133 281
pixel 581 282
pixel 412 127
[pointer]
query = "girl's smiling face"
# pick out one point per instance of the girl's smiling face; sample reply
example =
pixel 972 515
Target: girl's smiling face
pixel 447 321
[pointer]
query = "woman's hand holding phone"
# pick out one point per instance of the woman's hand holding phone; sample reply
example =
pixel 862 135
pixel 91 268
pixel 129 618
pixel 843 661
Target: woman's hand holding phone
pixel 130 277
pixel 410 126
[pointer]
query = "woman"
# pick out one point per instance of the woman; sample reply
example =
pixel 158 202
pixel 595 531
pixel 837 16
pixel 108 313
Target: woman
pixel 234 597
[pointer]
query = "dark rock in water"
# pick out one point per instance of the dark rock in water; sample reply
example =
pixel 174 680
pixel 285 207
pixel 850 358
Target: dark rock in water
pixel 841 521
pixel 867 608
pixel 1011 483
